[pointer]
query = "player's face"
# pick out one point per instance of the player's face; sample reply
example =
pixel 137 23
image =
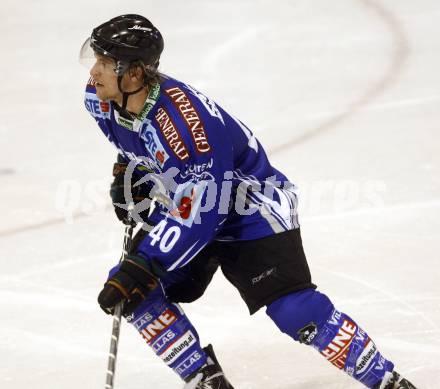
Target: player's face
pixel 106 80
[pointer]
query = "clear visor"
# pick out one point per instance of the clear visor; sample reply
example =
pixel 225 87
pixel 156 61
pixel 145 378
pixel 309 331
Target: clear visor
pixel 87 55
pixel 88 58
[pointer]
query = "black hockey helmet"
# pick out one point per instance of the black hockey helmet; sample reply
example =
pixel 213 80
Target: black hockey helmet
pixel 126 39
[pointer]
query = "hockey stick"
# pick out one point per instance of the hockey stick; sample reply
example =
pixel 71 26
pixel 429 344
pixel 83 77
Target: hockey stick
pixel 118 313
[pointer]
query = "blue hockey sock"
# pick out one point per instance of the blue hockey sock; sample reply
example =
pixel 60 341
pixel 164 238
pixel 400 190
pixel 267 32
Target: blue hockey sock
pixel 309 317
pixel 167 330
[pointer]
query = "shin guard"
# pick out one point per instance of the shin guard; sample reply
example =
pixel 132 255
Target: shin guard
pixel 167 330
pixel 310 318
pixel 347 346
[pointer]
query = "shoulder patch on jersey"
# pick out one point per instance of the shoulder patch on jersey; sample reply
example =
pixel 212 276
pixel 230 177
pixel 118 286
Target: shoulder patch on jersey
pixel 172 136
pixel 191 118
pixel 97 108
pixel 105 106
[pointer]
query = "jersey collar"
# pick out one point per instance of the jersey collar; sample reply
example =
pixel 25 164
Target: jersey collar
pixel 135 124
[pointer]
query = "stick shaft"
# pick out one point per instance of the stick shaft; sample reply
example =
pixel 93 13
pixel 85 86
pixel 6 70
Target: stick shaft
pixel 111 365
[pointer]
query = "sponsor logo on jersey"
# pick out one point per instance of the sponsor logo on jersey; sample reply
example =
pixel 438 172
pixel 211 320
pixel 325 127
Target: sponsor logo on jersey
pixel 188 362
pixel 153 144
pixel 93 105
pixel 163 341
pixel 198 172
pixel 123 122
pixel 337 350
pixel 308 333
pixel 105 106
pixel 191 118
pixel 187 202
pixel 184 209
pixel 160 156
pixel 171 134
pixel 157 326
pixel 208 103
pixel 367 356
pixel 205 176
pixel 178 347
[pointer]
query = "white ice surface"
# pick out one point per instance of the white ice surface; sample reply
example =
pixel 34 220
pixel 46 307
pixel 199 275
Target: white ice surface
pixel 345 97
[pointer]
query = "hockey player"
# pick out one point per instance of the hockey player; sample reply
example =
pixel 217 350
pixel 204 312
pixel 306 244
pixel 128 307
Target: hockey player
pixel 217 203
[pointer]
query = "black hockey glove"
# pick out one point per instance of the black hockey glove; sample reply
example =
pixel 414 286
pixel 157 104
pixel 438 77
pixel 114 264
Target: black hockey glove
pixel 129 284
pixel 138 193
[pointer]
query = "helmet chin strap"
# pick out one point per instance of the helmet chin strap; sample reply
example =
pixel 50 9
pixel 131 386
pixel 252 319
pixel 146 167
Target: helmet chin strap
pixel 126 95
pixel 121 68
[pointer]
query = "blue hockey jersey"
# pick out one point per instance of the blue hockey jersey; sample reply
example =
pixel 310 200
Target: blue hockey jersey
pixel 216 180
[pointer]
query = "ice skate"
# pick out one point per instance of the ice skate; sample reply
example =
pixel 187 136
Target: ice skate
pixel 210 376
pixel 395 381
